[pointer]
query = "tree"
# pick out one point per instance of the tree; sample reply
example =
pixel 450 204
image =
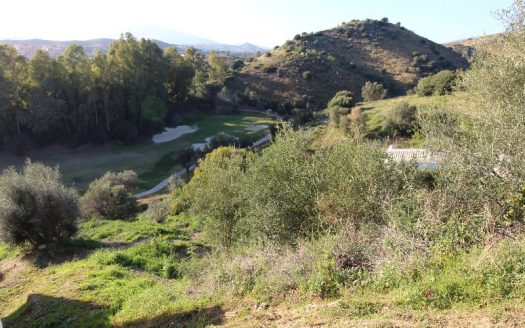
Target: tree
pixel 110 196
pixel 179 77
pixel 218 69
pixel 340 105
pixel 215 193
pixel 35 206
pixel 400 120
pixel 372 91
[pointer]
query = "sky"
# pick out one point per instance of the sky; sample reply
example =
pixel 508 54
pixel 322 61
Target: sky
pixel 262 22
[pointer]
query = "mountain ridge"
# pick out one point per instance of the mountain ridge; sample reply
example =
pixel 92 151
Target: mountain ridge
pixel 56 48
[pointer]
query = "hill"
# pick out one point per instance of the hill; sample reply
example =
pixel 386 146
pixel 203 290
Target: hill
pixel 320 64
pixel 26 48
pixel 467 47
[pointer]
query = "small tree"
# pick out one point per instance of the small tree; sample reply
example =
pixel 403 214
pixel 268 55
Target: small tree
pixel 372 91
pixel 35 206
pixel 340 105
pixel 214 193
pixel 438 84
pixel 401 119
pixel 110 196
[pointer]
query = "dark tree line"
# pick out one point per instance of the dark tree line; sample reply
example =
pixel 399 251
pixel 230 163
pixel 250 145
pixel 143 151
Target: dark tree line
pixel 123 95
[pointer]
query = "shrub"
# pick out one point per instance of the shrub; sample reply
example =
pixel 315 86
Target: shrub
pixel 214 193
pixel 400 120
pixel 280 190
pixel 35 206
pixel 307 75
pixel 158 211
pixel 222 140
pixel 110 196
pixel 438 84
pixel 372 91
pixel 270 69
pixel 340 105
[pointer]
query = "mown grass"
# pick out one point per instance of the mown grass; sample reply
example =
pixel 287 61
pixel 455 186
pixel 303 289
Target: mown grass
pixel 153 162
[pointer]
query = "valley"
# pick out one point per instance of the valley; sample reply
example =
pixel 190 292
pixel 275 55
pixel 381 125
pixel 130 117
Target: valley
pixel 357 176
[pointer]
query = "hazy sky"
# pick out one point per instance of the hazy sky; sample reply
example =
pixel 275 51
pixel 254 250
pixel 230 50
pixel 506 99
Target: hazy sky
pixel 262 22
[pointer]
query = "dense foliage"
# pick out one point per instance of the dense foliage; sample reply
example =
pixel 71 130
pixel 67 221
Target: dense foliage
pixel 123 95
pixel 110 197
pixel 339 105
pixel 373 91
pixel 439 84
pixel 35 206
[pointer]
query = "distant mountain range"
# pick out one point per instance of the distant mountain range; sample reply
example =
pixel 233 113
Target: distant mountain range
pixel 26 48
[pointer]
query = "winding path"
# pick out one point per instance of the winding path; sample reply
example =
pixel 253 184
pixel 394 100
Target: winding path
pixel 261 142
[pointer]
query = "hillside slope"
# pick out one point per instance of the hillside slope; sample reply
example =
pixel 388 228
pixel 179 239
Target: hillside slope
pixel 467 47
pixel 320 64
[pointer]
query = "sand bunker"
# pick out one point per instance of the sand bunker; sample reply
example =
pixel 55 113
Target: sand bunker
pixel 256 128
pixel 171 134
pixel 201 146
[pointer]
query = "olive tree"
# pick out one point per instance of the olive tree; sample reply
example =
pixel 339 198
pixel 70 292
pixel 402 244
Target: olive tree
pixel 35 206
pixel 111 196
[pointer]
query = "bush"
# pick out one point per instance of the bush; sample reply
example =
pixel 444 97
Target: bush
pixel 400 120
pixel 110 196
pixel 372 91
pixel 270 69
pixel 340 105
pixel 343 99
pixel 438 84
pixel 158 211
pixel 35 206
pixel 307 75
pixel 214 194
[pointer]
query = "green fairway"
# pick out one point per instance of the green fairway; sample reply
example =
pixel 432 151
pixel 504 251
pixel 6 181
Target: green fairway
pixel 152 162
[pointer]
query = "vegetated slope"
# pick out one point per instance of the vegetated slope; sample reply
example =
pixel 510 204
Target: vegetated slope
pixel 311 68
pixel 467 47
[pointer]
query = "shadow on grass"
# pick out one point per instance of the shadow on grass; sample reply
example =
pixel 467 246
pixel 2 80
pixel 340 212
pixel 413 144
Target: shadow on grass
pixel 65 251
pixel 47 311
pixel 202 317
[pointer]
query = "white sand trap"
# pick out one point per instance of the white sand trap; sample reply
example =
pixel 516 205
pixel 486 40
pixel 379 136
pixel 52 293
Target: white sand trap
pixel 256 128
pixel 171 134
pixel 201 146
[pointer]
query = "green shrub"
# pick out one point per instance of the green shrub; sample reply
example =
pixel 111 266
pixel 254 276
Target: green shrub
pixel 158 211
pixel 340 105
pixel 307 75
pixel 372 91
pixel 214 194
pixel 270 69
pixel 438 84
pixel 401 120
pixel 110 196
pixel 35 206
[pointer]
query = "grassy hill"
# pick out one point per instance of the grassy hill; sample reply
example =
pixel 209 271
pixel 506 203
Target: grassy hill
pixel 320 64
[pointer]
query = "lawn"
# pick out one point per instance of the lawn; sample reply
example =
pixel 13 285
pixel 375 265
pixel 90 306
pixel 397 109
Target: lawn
pixel 153 162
